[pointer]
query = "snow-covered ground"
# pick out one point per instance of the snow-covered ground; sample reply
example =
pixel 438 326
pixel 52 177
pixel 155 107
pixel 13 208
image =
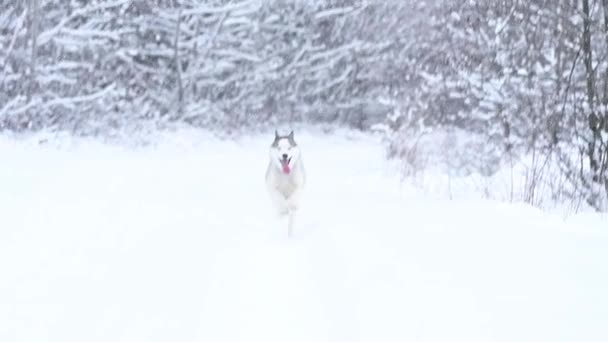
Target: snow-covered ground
pixel 177 241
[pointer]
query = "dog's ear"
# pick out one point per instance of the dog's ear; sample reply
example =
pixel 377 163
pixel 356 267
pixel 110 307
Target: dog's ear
pixel 291 138
pixel 275 142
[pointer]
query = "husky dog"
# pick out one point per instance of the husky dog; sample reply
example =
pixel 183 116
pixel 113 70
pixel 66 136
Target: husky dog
pixel 285 176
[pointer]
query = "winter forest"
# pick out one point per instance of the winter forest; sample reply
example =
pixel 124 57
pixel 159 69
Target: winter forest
pixel 507 80
pixel 304 170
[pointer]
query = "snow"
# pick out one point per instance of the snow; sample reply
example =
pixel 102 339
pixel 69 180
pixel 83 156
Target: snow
pixel 176 241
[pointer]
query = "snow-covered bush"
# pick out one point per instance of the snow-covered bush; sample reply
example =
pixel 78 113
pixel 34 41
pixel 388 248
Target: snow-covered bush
pixel 525 77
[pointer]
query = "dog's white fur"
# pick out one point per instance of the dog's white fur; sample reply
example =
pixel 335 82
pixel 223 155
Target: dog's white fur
pixel 285 189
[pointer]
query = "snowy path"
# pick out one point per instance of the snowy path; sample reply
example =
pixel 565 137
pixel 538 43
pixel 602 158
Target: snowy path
pixel 178 243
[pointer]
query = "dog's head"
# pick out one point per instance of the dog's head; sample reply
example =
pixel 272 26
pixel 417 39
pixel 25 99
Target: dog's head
pixel 284 152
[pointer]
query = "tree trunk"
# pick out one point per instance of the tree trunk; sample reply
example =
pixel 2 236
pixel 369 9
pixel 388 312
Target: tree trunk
pixel 588 55
pixel 596 147
pixel 34 23
pixel 605 95
pixel 178 66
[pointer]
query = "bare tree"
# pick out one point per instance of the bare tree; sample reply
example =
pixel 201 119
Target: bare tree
pixel 33 6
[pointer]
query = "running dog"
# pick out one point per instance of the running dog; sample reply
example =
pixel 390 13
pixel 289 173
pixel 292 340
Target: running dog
pixel 285 177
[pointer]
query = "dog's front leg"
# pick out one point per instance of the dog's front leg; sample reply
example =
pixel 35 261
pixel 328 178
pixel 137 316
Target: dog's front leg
pixel 279 201
pixel 290 222
pixel 293 202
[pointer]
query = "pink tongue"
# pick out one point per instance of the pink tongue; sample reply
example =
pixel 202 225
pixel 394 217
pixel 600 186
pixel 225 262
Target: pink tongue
pixel 286 168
